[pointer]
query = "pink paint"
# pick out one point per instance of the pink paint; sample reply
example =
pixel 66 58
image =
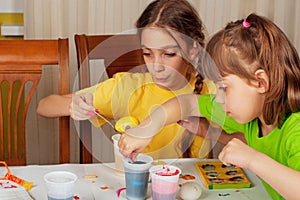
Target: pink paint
pixel 164 181
pixel 163 187
pixel 119 191
pixel 167 172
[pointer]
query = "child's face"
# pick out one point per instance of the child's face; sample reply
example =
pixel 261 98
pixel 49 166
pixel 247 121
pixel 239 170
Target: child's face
pixel 163 58
pixel 240 100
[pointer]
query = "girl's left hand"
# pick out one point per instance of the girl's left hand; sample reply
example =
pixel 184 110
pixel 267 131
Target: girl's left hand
pixel 81 106
pixel 237 153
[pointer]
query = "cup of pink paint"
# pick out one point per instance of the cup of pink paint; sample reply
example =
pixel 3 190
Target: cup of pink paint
pixel 164 180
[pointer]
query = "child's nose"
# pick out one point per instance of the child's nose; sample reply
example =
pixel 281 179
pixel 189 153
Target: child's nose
pixel 220 97
pixel 158 67
pixel 157 59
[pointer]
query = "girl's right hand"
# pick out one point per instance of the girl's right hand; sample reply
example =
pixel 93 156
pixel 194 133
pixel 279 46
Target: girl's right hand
pixel 132 143
pixel 237 153
pixel 81 106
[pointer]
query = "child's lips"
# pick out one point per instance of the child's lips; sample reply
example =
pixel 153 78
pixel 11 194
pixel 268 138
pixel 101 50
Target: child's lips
pixel 227 112
pixel 161 79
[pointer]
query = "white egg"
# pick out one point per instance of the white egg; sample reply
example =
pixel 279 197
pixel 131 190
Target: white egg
pixel 190 191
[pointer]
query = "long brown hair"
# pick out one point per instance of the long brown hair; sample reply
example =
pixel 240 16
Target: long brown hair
pixel 259 45
pixel 179 16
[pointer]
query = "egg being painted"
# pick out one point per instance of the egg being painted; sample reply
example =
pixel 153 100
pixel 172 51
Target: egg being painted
pixel 125 123
pixel 190 191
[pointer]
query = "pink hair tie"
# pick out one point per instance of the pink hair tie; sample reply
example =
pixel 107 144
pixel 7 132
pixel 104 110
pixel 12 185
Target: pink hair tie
pixel 246 24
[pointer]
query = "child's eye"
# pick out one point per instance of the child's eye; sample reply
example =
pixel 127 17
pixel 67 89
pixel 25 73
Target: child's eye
pixel 170 54
pixel 222 87
pixel 146 53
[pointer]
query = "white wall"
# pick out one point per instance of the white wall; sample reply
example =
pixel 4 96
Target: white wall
pixel 11 6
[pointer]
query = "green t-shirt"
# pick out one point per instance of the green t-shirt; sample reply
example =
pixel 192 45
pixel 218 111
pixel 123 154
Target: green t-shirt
pixel 282 145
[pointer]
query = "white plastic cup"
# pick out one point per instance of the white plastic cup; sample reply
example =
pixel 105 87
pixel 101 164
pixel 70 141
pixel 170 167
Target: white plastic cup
pixel 119 164
pixel 164 180
pixel 60 185
pixel 137 176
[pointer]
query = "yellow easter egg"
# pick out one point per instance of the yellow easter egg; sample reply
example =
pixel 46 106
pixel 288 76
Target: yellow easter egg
pixel 125 123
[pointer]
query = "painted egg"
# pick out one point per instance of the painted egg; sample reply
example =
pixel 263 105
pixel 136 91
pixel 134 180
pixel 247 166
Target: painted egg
pixel 125 123
pixel 190 191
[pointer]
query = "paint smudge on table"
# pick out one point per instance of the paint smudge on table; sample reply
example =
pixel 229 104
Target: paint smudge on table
pixel 224 194
pixel 76 197
pixel 90 176
pixel 187 177
pixel 119 191
pixel 105 187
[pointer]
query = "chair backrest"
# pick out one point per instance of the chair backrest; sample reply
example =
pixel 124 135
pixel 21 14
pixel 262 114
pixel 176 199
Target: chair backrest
pixel 21 65
pixel 120 53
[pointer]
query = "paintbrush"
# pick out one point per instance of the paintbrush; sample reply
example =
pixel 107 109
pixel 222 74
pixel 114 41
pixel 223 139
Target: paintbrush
pixel 95 112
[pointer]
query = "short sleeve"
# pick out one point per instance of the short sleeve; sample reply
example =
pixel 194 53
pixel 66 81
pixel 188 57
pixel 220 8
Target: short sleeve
pixel 213 112
pixel 293 149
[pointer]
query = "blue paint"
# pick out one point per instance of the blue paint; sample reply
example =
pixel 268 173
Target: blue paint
pixel 224 194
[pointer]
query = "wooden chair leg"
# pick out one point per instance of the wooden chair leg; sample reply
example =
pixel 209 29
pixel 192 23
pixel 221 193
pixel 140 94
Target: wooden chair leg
pixel 85 142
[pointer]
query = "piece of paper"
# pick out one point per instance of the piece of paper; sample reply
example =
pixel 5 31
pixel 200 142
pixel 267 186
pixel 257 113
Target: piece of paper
pixel 12 191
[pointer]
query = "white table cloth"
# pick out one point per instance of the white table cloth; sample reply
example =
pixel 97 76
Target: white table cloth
pixel 108 181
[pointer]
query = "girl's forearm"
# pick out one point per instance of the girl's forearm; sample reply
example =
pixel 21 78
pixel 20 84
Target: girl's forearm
pixel 170 112
pixel 54 106
pixel 180 107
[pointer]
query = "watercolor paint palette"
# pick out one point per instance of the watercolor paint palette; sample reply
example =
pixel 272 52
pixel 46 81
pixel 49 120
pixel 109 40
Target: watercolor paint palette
pixel 216 175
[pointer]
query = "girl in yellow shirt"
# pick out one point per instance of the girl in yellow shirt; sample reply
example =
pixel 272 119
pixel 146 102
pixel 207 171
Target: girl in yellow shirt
pixel 171 35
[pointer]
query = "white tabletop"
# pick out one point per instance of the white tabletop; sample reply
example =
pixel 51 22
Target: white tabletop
pixel 108 181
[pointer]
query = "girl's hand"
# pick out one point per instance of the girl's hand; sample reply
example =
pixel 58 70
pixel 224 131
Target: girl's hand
pixel 82 106
pixel 196 125
pixel 238 153
pixel 131 144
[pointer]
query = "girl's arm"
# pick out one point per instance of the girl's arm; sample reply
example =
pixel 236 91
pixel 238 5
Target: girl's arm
pixel 201 127
pixel 55 105
pixel 79 107
pixel 283 179
pixel 136 139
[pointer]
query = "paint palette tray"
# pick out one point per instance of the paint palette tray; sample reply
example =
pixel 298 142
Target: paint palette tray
pixel 216 175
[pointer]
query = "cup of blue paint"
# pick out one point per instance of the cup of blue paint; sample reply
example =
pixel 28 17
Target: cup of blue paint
pixel 137 176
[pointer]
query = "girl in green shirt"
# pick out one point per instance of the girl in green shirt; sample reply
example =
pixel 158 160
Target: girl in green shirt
pixel 257 73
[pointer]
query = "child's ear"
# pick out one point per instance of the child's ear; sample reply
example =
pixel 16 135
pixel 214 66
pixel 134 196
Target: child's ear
pixel 194 51
pixel 262 80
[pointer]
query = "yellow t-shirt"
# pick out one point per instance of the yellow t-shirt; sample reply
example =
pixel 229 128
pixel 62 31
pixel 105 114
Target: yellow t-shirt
pixel 135 94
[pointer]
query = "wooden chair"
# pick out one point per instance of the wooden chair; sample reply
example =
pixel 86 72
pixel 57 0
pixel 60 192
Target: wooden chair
pixel 20 63
pixel 121 53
